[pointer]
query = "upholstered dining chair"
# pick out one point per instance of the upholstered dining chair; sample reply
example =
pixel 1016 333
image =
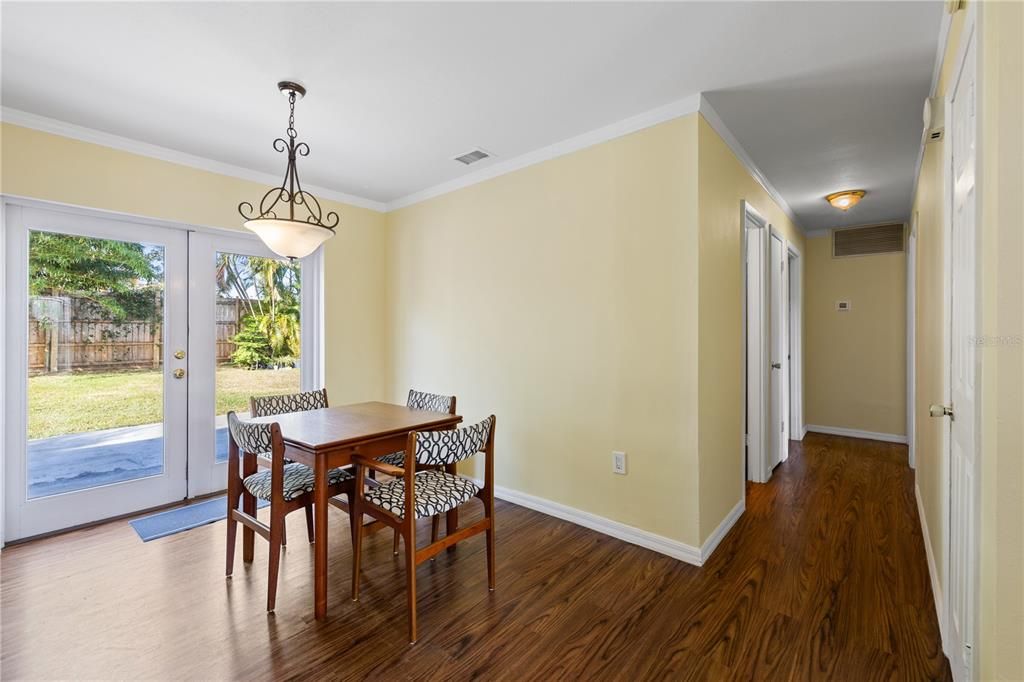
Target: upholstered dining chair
pixel 286 485
pixel 267 405
pixel 435 402
pixel 413 495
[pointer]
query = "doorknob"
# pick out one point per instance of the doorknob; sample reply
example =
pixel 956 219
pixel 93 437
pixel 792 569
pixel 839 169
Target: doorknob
pixel 180 354
pixel 776 365
pixel 941 411
pixel 179 373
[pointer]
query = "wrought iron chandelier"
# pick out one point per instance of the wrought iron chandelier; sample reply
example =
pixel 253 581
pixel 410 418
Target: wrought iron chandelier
pixel 290 236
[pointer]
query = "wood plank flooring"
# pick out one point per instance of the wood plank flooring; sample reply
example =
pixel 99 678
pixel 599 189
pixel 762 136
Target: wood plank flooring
pixel 823 577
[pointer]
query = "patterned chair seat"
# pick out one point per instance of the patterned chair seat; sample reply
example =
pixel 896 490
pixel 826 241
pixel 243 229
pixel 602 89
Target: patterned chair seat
pixel 436 493
pixel 298 480
pixel 395 459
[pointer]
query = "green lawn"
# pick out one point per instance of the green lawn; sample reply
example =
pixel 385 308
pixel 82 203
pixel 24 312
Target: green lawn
pixel 72 403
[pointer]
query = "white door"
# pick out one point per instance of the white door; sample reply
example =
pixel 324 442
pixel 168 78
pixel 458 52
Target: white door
pixel 778 349
pixel 962 464
pixel 237 285
pixel 95 390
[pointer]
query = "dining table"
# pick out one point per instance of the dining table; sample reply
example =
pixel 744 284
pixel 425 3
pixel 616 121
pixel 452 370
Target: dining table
pixel 328 437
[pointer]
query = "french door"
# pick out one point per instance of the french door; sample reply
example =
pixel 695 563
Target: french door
pixel 126 344
pixel 237 286
pixel 96 376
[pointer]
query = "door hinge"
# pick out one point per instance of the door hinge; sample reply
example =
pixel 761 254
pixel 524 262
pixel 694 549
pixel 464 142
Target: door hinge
pixel 783 429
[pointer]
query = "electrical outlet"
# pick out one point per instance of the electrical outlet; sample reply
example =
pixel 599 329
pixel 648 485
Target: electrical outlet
pixel 619 463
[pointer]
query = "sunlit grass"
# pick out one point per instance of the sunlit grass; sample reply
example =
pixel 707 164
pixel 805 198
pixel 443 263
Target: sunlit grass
pixel 71 403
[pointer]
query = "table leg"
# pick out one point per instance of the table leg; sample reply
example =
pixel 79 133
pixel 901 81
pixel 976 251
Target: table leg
pixel 320 533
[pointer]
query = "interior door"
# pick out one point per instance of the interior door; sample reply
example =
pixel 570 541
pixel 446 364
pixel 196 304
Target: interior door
pixel 240 296
pixel 95 380
pixel 962 463
pixel 777 350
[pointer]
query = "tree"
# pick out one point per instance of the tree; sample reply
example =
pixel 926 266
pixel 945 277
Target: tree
pixel 124 279
pixel 269 291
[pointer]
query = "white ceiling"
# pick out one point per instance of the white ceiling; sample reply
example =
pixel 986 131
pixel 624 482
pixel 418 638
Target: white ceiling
pixel 822 96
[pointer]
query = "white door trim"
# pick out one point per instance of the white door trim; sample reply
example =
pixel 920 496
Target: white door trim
pixel 796 344
pixel 911 429
pixel 755 343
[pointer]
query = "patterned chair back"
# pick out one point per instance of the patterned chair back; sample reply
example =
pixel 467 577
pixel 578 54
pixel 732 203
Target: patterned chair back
pixel 263 406
pixel 251 437
pixel 420 400
pixel 449 447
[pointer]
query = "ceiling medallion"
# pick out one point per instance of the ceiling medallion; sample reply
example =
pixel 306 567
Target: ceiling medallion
pixel 287 235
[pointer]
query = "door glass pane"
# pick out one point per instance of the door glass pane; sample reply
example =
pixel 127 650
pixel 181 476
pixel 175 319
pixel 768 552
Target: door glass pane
pixel 95 362
pixel 258 334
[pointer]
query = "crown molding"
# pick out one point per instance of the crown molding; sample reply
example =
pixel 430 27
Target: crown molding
pixel 647 119
pixel 682 107
pixel 125 144
pixel 715 121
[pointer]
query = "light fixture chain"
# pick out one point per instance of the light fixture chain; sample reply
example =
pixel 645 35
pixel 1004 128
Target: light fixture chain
pixel 291 115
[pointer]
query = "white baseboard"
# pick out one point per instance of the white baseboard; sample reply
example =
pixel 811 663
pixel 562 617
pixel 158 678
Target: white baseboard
pixel 856 433
pixel 723 529
pixel 615 529
pixel 933 570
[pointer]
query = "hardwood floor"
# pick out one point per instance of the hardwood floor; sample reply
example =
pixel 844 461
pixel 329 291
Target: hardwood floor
pixel 823 577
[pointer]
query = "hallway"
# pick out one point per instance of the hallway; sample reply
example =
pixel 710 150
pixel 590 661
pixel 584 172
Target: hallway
pixel 824 576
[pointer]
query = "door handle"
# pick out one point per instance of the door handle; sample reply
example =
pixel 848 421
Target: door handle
pixel 179 373
pixel 776 365
pixel 937 410
pixel 180 354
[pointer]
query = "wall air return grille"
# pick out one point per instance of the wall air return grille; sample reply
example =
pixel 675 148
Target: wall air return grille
pixel 864 241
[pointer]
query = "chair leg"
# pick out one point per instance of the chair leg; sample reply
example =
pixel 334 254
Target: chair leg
pixel 357 545
pixel 309 521
pixel 284 535
pixel 352 520
pixel 248 534
pixel 394 548
pixel 489 511
pixel 451 524
pixel 435 528
pixel 276 527
pixel 410 582
pixel 232 535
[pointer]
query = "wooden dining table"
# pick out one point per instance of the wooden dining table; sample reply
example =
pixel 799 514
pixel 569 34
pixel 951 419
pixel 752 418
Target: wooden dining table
pixel 327 438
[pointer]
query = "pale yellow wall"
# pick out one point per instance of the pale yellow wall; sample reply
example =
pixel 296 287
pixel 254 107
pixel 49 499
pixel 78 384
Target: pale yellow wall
pixel 1001 559
pixel 723 184
pixel 1000 562
pixel 563 298
pixel 856 361
pixel 45 166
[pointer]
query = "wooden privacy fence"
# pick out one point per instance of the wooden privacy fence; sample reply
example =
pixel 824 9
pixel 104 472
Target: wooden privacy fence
pixel 56 345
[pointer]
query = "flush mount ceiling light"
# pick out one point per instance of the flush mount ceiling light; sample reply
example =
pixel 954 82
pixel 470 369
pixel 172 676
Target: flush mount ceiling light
pixel 846 199
pixel 285 234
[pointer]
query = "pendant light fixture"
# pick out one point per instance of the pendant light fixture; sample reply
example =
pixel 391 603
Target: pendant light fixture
pixel 290 220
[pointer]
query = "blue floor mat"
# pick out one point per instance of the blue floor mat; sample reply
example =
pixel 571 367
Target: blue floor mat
pixel 173 521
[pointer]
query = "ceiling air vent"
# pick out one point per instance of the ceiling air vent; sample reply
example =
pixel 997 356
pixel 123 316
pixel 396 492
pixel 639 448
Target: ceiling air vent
pixel 472 157
pixel 864 241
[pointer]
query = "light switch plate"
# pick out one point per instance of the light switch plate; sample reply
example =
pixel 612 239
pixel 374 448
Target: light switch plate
pixel 619 463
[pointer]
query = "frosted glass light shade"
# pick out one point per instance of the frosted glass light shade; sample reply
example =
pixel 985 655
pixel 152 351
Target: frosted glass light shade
pixel 845 200
pixel 289 238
